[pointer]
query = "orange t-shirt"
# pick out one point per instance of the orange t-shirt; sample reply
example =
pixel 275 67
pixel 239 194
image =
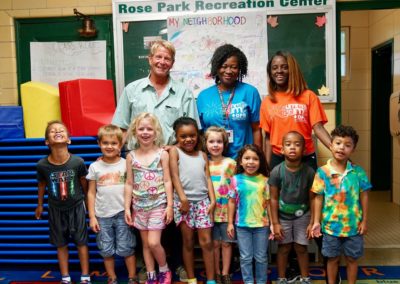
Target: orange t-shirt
pixel 290 113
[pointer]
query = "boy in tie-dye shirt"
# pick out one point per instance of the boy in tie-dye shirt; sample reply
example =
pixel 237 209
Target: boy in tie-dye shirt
pixel 341 189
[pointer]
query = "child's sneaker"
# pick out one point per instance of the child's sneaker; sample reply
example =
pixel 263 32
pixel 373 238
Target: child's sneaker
pixel 142 275
pixel 133 280
pixel 338 279
pixel 85 279
pixel 151 281
pixel 192 281
pixel 226 279
pixel 305 280
pixel 165 277
pixel 112 281
pixel 66 279
pixel 281 281
pixel 292 275
pixel 182 274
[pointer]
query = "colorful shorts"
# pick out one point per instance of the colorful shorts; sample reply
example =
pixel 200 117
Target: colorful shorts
pixel 152 219
pixel 196 217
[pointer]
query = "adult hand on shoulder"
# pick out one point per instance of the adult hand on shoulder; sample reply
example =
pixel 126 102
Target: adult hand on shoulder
pixel 167 147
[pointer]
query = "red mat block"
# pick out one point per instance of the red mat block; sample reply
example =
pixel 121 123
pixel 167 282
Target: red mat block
pixel 86 104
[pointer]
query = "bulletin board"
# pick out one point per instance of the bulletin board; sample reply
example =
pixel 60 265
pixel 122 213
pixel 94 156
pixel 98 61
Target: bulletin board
pixel 308 33
pixel 305 39
pixel 196 38
pixel 63 30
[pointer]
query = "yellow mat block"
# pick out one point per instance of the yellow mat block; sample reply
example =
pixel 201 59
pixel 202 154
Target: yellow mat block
pixel 40 104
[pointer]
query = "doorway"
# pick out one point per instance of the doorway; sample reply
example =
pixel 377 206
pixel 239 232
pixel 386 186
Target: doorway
pixel 381 141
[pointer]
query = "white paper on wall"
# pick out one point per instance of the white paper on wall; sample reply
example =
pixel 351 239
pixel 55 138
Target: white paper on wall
pixel 53 62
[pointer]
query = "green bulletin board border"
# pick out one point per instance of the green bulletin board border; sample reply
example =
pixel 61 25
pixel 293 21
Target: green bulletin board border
pixel 120 52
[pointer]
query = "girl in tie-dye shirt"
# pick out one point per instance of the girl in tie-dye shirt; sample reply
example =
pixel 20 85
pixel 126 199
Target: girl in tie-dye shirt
pixel 249 200
pixel 221 171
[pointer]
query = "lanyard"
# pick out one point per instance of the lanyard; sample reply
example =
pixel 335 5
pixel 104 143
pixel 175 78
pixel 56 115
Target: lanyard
pixel 226 108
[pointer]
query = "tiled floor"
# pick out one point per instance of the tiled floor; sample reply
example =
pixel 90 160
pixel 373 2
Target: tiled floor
pixel 380 257
pixel 382 243
pixel 383 222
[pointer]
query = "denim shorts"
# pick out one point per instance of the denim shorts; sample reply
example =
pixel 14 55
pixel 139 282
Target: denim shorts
pixel 115 236
pixel 352 246
pixel 219 232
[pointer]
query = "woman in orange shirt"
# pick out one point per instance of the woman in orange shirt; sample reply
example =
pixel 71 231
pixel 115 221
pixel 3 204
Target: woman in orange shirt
pixel 290 106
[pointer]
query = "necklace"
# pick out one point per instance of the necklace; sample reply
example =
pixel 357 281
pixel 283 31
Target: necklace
pixel 226 108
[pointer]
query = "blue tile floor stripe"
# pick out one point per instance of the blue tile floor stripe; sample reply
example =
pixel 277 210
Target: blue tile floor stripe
pixel 366 275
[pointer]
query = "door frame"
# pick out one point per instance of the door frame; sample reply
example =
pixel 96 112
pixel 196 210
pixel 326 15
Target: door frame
pixel 374 97
pixel 351 6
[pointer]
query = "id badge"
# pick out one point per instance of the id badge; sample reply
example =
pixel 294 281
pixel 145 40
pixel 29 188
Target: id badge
pixel 230 135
